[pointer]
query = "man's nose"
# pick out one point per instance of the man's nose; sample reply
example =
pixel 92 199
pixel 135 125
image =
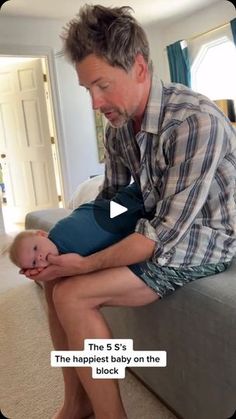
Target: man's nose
pixel 97 101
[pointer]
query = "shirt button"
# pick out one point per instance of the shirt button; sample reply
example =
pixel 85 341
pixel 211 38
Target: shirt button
pixel 162 261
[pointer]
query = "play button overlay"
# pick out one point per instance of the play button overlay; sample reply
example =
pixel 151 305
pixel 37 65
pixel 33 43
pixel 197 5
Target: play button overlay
pixel 116 209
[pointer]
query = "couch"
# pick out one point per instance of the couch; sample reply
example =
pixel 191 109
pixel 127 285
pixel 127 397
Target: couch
pixel 196 326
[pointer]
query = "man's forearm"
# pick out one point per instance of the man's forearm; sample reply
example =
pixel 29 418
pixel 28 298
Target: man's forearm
pixel 134 248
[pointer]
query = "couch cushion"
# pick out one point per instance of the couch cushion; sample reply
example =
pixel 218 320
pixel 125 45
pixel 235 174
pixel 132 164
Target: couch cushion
pixel 45 219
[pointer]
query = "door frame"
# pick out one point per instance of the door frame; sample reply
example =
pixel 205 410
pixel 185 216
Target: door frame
pixel 49 54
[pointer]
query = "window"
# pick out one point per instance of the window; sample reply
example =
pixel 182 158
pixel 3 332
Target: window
pixel 213 66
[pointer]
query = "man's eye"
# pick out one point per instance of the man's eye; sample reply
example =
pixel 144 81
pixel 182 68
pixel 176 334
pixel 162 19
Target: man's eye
pixel 35 248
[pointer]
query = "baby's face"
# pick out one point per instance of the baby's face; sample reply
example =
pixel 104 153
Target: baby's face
pixel 34 251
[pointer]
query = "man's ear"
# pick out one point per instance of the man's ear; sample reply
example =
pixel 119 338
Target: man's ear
pixel 41 233
pixel 141 67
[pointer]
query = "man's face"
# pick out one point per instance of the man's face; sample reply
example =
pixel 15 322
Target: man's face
pixel 34 251
pixel 115 92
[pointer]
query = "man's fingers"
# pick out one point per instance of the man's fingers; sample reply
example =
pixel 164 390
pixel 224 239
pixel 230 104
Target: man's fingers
pixel 32 272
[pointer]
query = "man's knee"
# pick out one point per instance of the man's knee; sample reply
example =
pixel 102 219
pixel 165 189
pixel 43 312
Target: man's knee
pixel 48 290
pixel 72 293
pixel 62 292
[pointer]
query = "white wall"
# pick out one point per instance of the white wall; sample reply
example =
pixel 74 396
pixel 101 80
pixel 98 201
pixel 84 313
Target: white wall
pixel 204 20
pixel 78 117
pixel 76 130
pixel 155 37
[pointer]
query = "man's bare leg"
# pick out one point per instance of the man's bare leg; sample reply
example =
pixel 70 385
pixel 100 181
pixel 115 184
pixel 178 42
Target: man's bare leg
pixel 76 402
pixel 77 301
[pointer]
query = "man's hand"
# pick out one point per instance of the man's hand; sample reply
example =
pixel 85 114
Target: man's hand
pixel 30 272
pixel 60 266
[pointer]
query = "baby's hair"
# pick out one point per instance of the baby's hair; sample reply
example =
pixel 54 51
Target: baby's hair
pixel 14 248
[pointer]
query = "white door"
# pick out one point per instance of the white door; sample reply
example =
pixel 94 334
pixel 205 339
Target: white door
pixel 25 144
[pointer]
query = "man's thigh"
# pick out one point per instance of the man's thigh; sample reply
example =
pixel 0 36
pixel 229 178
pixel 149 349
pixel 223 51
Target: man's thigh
pixel 109 287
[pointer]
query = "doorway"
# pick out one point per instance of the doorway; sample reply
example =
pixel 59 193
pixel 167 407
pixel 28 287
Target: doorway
pixel 29 157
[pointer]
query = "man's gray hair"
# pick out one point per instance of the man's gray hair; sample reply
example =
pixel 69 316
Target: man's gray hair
pixel 108 32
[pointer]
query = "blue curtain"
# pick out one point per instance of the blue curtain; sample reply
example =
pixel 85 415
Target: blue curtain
pixel 233 28
pixel 179 64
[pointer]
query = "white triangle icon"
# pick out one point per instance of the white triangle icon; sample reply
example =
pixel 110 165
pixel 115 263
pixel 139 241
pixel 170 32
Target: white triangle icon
pixel 116 209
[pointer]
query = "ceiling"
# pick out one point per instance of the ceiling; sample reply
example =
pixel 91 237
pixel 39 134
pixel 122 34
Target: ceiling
pixel 145 11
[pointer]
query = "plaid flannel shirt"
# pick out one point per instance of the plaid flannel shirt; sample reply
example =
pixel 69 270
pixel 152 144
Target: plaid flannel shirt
pixel 184 159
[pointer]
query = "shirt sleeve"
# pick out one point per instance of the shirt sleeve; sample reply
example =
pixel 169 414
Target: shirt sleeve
pixel 116 173
pixel 194 151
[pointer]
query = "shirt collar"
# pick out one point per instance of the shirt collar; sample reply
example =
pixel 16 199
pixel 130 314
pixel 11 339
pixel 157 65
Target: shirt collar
pixel 151 119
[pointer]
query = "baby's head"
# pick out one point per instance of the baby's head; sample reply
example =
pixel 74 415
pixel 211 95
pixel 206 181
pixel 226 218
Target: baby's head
pixel 30 249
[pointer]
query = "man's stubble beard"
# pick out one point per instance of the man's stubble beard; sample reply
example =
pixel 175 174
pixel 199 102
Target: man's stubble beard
pixel 121 120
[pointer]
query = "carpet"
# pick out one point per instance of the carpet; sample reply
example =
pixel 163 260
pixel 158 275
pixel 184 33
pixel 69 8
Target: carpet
pixel 30 387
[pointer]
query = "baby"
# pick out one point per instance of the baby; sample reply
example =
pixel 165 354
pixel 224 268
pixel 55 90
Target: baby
pixel 86 230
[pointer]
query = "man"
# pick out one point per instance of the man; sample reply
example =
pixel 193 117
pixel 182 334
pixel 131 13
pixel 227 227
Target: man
pixel 180 149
